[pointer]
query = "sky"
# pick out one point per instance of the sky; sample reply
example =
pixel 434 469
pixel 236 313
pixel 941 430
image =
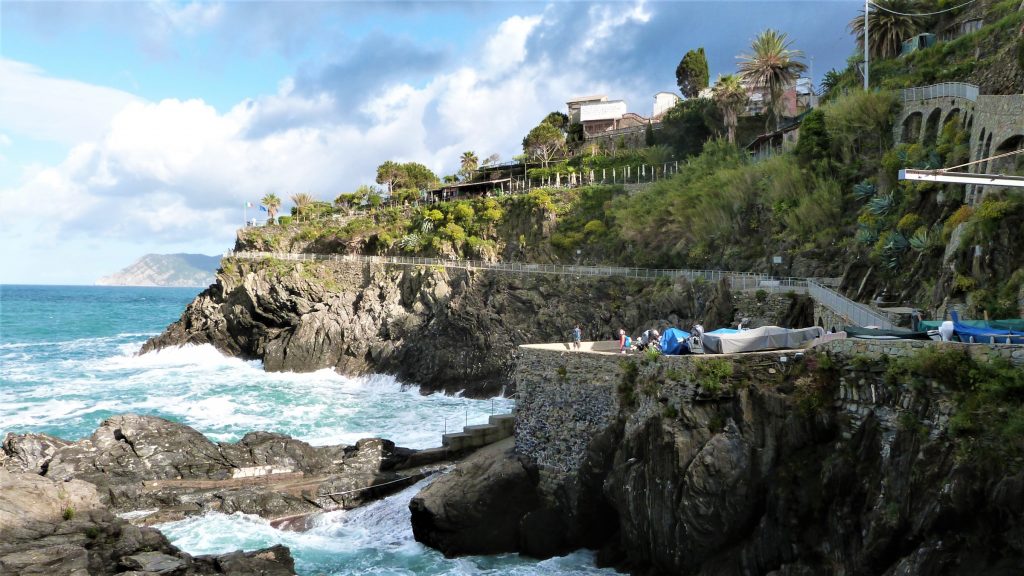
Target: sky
pixel 129 128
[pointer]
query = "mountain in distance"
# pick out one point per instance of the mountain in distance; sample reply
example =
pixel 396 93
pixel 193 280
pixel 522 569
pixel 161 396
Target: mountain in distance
pixel 171 270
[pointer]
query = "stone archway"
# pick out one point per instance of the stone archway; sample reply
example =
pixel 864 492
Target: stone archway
pixel 1012 165
pixel 931 127
pixel 912 128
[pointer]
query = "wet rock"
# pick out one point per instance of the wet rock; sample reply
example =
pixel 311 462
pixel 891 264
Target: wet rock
pixel 148 463
pixel 52 527
pixel 477 508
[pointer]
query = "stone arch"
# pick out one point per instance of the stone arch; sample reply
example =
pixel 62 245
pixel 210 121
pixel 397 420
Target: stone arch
pixel 987 151
pixel 952 116
pixel 1011 164
pixel 911 128
pixel 979 153
pixel 931 127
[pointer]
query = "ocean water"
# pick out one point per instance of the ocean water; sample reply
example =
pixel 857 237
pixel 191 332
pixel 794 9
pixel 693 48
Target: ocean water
pixel 68 361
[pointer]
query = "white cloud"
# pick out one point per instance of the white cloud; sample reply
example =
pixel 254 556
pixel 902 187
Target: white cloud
pixel 42 107
pixel 506 49
pixel 176 172
pixel 607 18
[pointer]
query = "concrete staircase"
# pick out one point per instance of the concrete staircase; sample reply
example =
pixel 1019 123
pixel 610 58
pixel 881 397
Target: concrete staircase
pixel 498 427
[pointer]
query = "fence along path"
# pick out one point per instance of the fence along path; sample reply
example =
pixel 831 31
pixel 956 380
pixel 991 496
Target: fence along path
pixel 817 288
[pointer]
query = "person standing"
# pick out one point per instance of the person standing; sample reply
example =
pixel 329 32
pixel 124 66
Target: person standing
pixel 622 340
pixel 577 335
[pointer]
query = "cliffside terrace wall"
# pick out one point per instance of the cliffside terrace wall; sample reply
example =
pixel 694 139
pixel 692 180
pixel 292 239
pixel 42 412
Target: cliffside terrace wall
pixel 566 398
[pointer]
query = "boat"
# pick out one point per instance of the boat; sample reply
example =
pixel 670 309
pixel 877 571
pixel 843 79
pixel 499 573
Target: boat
pixel 728 341
pixel 885 334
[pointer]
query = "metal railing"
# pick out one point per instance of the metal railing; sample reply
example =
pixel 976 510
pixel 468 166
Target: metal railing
pixel 740 281
pixel 943 90
pixel 737 280
pixel 856 314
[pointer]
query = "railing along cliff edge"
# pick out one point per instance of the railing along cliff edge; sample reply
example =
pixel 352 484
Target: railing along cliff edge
pixel 742 281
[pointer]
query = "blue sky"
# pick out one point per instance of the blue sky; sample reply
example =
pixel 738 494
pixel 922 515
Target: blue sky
pixel 135 127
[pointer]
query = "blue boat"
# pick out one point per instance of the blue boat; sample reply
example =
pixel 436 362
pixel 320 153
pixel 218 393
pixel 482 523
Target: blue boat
pixel 984 334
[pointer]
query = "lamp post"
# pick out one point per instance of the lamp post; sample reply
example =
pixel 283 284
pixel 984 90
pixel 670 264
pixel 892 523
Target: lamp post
pixel 866 45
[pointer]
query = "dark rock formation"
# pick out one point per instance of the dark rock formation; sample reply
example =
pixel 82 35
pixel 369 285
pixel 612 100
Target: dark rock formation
pixel 450 329
pixel 50 527
pixel 145 462
pixel 827 469
pixel 481 507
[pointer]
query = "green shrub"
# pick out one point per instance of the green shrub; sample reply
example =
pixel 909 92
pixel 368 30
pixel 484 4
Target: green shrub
pixel 595 228
pixel 713 374
pixel 284 220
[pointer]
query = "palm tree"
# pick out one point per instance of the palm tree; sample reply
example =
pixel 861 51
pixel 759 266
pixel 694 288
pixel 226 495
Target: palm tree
pixel 301 201
pixel 468 164
pixel 886 31
pixel 731 97
pixel 772 66
pixel 271 202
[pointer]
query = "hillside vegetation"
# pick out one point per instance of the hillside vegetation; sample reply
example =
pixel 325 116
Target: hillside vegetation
pixel 830 206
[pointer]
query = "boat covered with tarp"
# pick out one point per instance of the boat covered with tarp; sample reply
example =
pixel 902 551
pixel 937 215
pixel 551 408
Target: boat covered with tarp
pixel 727 341
pixel 1011 324
pixel 987 333
pixel 885 334
pixel 674 341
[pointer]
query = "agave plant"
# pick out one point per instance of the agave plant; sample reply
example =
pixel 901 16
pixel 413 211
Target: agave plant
pixel 920 240
pixel 894 247
pixel 410 242
pixel 427 226
pixel 866 236
pixel 933 161
pixel 864 190
pixel 881 205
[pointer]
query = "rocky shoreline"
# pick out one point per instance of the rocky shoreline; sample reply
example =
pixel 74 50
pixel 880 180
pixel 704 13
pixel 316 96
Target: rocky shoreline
pixel 59 498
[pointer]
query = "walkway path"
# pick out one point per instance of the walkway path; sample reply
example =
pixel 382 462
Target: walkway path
pixel 817 288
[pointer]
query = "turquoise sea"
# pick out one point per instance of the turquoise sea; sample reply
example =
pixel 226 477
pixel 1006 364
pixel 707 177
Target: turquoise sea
pixel 68 360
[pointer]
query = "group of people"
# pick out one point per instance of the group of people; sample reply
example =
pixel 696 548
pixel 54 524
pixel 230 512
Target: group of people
pixel 650 337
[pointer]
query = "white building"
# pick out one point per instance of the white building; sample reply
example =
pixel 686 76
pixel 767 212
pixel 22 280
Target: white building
pixel 663 102
pixel 574 105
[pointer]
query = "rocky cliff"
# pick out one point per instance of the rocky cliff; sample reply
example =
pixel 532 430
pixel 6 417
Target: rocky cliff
pixel 443 328
pixel 172 270
pixel 858 459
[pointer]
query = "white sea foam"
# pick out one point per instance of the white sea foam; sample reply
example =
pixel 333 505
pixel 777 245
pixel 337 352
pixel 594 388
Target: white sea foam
pixel 374 539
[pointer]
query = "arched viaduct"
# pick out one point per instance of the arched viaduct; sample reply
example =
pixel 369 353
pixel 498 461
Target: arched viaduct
pixel 995 124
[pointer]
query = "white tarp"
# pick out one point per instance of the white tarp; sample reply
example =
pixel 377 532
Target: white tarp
pixel 763 338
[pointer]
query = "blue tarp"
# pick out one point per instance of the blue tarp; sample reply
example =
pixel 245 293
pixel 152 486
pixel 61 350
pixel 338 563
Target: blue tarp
pixel 673 341
pixel 985 334
pixel 724 331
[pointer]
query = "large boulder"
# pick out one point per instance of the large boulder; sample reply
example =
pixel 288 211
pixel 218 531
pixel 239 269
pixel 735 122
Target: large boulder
pixel 479 507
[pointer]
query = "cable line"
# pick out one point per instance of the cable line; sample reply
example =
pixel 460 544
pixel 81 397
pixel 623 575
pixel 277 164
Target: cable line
pixel 880 7
pixel 1010 153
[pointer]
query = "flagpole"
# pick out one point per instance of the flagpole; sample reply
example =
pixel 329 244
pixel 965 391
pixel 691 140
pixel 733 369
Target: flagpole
pixel 245 214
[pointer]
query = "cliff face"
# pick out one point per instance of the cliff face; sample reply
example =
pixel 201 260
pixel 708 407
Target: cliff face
pixel 854 460
pixel 444 328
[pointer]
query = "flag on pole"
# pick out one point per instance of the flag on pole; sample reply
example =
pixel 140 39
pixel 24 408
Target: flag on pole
pixel 249 205
pixel 263 208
